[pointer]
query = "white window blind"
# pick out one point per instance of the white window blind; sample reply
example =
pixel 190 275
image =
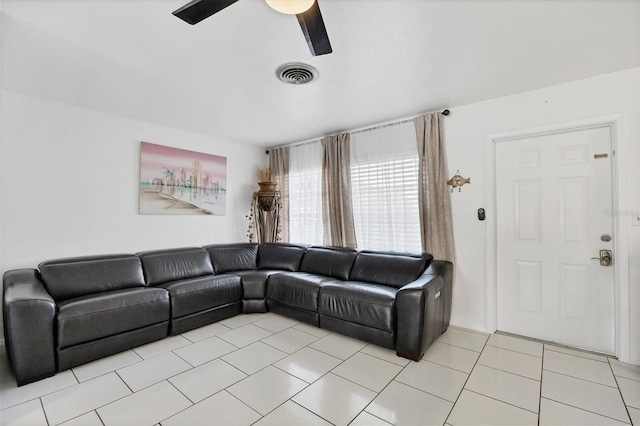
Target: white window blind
pixel 305 193
pixel 384 180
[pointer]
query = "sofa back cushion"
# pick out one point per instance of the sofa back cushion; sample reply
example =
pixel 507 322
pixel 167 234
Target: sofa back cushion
pixel 161 266
pixel 281 256
pixel 233 257
pixel 333 262
pixel 393 269
pixel 79 276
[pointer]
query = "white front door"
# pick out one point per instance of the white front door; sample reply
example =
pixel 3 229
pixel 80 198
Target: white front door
pixel 554 201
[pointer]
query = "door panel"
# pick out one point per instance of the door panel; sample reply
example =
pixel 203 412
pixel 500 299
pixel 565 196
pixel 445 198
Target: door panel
pixel 529 286
pixel 552 199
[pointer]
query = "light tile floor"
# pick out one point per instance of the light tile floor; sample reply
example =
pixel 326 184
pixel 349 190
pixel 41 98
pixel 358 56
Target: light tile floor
pixel 265 369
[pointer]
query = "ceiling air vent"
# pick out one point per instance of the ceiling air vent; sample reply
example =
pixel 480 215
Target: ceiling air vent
pixel 297 73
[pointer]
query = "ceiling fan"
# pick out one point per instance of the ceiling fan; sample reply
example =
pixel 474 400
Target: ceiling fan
pixel 307 12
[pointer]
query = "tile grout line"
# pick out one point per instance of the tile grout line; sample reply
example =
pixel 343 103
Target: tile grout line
pixel 626 407
pixel 540 389
pixel 510 372
pixel 241 402
pixel 420 390
pixel 584 380
pixel 99 418
pixel 460 347
pixel 504 402
pixel 218 357
pixel 235 368
pixel 364 410
pixel 378 393
pixel 80 415
pixel 577 354
pixel 305 408
pixel 189 399
pixel 329 372
pixel 288 355
pixel 539 380
pixel 514 351
pixel 182 393
pixel 108 403
pixel 582 409
pixel 443 366
pixel 624 377
pixel 454 369
pixel 377 359
pixel 268 344
pixel 46 418
pixel 466 381
pixel 77 384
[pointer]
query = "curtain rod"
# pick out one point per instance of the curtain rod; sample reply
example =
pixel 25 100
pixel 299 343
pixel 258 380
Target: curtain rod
pixel 379 126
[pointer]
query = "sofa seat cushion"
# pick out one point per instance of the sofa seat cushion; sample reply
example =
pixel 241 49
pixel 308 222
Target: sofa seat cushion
pixel 296 289
pixel 100 315
pixel 254 283
pixel 199 294
pixel 363 303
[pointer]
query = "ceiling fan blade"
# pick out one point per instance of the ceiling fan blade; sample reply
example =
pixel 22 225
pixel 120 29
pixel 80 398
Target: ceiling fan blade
pixel 197 10
pixel 314 30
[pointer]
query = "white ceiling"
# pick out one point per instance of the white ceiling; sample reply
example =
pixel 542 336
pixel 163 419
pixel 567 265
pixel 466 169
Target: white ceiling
pixel 391 59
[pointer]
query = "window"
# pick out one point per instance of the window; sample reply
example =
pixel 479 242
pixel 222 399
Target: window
pixel 305 193
pixel 384 180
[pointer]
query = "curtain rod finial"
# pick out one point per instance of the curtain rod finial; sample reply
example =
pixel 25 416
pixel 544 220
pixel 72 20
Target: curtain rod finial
pixel 267 152
pixel 446 112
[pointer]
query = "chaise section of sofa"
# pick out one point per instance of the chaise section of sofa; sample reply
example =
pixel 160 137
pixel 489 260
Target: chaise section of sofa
pixel 364 303
pixel 103 306
pixel 76 310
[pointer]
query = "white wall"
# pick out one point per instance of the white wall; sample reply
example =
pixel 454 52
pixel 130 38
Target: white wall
pixel 467 129
pixel 1 108
pixel 70 181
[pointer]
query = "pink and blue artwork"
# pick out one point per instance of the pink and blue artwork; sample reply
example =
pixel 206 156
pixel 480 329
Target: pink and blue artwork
pixel 177 181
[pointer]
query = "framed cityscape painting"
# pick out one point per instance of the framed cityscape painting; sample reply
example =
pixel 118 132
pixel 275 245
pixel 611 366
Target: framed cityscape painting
pixel 177 181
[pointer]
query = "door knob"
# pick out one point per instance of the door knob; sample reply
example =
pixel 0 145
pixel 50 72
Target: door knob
pixel 605 258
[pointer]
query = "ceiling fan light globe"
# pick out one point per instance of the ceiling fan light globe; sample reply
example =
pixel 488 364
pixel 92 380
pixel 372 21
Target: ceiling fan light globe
pixel 290 7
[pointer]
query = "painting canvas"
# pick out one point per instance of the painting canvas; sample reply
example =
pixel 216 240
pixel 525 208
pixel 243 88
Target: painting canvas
pixel 177 181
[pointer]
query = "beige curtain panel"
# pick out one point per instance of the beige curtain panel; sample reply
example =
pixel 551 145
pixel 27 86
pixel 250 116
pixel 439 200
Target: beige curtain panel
pixel 337 210
pixel 434 197
pixel 279 166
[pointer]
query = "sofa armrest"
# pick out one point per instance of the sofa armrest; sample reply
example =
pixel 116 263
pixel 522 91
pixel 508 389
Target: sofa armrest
pixel 29 315
pixel 423 310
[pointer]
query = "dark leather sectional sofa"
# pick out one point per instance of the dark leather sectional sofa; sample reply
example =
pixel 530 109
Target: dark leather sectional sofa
pixel 75 310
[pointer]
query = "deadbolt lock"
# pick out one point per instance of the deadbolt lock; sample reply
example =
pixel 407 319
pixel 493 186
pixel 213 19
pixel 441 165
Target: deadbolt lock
pixel 605 258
